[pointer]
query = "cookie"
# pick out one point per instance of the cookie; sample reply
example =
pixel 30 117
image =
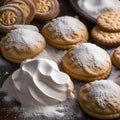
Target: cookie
pixel 109 21
pixel 28 7
pixel 100 99
pixel 47 9
pixel 87 62
pixel 65 32
pixel 21 44
pixel 116 57
pixel 10 15
pixel 105 38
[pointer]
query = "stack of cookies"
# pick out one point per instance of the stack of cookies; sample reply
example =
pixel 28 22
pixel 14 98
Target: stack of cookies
pixel 24 11
pixel 107 30
pixel 22 43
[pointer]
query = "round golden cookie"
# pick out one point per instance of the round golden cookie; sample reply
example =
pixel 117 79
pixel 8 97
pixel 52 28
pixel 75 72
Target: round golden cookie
pixel 100 99
pixel 27 6
pixel 87 62
pixel 21 44
pixel 105 38
pixel 116 57
pixel 10 15
pixel 47 9
pixel 65 32
pixel 109 21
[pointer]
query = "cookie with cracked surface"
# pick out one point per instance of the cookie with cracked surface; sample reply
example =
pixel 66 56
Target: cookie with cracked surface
pixel 65 32
pixel 21 44
pixel 87 62
pixel 100 99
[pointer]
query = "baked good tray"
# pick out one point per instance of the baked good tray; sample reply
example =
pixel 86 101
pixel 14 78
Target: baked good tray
pixel 11 110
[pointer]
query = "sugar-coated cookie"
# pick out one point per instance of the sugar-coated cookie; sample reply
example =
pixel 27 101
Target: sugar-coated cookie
pixel 105 38
pixel 109 21
pixel 87 62
pixel 21 44
pixel 65 32
pixel 47 9
pixel 100 99
pixel 116 57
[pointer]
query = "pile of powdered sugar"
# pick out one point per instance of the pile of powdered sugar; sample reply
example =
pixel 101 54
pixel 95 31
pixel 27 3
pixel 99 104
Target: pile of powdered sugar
pixel 66 110
pixel 52 53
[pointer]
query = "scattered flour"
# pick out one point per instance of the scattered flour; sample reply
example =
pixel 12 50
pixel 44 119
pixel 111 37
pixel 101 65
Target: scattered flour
pixel 50 111
pixel 52 53
pixel 8 98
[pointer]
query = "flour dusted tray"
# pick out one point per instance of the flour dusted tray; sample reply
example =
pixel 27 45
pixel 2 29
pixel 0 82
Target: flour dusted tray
pixel 67 110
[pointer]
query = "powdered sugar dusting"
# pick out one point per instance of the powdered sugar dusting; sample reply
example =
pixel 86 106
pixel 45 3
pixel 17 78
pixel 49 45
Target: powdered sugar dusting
pixel 85 55
pixel 50 111
pixel 104 91
pixel 65 26
pixel 52 53
pixel 67 110
pixel 23 39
